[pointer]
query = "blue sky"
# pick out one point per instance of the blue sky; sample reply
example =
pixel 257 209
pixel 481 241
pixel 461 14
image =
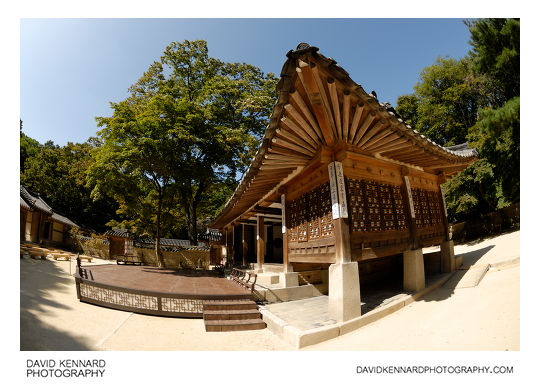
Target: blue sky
pixel 70 69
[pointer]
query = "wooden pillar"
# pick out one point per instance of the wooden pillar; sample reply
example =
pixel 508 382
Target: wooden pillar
pixel 442 202
pixel 287 267
pixel 260 243
pixel 244 246
pixel 340 214
pixel 233 258
pixel 407 194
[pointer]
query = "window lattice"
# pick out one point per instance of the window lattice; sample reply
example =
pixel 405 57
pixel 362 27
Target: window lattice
pixel 375 206
pixel 310 215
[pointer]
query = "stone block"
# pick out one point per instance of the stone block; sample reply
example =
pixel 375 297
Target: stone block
pixel 343 291
pixel 448 260
pixel 288 279
pixel 414 278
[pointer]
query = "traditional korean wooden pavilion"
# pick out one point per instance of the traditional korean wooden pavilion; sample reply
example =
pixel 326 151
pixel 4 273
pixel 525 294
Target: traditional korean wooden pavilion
pixel 339 180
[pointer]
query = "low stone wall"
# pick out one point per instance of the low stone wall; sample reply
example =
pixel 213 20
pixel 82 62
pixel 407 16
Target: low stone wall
pixel 494 223
pixel 92 247
pixel 189 259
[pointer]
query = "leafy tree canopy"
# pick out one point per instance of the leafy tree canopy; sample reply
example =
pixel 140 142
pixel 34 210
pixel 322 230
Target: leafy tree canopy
pixel 59 175
pixel 190 123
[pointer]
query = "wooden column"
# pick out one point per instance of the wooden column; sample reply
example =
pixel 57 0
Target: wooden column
pixel 244 246
pixel 233 253
pixel 260 242
pixel 340 214
pixel 407 194
pixel 287 267
pixel 442 201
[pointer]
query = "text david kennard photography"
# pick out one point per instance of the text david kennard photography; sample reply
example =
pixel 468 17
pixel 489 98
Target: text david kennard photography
pixel 65 368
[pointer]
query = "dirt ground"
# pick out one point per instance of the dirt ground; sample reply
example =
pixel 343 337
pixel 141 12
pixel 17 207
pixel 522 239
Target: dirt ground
pixel 484 317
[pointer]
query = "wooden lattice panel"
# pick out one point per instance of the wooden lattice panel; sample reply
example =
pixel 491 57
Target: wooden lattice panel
pixel 356 203
pixel 421 208
pixel 310 216
pixel 387 207
pixel 292 220
pixel 375 206
pixel 435 208
pixel 325 210
pixel 313 223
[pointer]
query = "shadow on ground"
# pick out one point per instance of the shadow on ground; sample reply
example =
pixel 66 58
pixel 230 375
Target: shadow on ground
pixel 35 335
pixel 383 293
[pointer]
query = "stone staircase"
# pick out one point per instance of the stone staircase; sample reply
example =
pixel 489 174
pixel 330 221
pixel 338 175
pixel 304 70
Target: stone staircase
pixel 231 315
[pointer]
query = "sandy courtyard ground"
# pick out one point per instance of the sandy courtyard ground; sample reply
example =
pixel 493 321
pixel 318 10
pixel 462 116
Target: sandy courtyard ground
pixel 485 317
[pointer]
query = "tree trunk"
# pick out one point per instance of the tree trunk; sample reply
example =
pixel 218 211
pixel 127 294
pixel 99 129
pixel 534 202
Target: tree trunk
pixel 159 255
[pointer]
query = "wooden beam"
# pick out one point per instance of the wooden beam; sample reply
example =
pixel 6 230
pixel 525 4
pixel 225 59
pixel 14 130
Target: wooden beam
pixel 335 106
pixel 297 99
pixel 382 134
pixel 304 125
pixel 378 127
pixel 291 136
pixel 292 146
pixel 385 141
pixel 316 101
pixel 346 113
pixel 364 126
pixel 289 123
pixel 274 149
pixel 276 156
pixel 326 103
pixel 355 121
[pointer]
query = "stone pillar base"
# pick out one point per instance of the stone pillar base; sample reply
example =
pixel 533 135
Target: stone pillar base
pixel 414 278
pixel 448 260
pixel 344 291
pixel 288 279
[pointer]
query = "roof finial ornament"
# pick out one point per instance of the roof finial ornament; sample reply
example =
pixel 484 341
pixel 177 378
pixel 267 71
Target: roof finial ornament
pixel 303 46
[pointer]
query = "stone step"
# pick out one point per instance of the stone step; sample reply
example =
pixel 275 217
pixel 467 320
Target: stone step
pixel 236 314
pixel 234 325
pixel 224 305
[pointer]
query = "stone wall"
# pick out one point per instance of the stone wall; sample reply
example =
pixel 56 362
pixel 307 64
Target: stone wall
pixel 189 259
pixel 494 223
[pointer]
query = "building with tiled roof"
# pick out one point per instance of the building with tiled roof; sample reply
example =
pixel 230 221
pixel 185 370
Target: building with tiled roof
pixel 40 223
pixel 340 187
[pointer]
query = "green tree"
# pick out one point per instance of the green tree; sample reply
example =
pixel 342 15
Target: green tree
pixel 190 123
pixel 445 101
pixel 28 147
pixel 59 175
pixel 495 54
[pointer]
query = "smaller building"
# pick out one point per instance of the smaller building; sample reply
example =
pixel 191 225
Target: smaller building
pixel 40 223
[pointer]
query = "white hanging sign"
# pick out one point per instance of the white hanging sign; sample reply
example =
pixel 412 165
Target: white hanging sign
pixel 342 193
pixel 333 191
pixel 409 193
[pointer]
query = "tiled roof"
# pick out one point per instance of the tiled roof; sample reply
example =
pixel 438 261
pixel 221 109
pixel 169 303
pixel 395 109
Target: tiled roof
pixel 35 201
pixel 210 235
pixel 118 232
pixel 63 219
pixel 169 244
pixel 24 204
